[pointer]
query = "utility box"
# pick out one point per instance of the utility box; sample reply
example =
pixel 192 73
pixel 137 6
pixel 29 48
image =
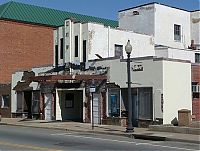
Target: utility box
pixel 184 117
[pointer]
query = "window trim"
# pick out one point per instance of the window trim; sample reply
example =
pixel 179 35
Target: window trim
pixel 177 33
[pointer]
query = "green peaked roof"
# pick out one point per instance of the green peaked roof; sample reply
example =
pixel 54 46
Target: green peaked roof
pixel 46 16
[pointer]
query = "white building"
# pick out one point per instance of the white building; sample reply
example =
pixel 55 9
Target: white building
pixel 80 42
pixel 170 30
pixel 157 90
pixel 172 27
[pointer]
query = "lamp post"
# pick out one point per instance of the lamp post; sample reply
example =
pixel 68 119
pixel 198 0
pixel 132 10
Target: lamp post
pixel 128 49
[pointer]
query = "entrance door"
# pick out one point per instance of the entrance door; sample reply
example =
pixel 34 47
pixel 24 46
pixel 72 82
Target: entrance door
pixel 71 105
pixel 96 114
pixel 28 103
pixel 48 106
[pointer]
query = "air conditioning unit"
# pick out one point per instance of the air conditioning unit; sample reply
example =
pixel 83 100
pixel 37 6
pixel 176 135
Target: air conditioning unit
pixel 196 88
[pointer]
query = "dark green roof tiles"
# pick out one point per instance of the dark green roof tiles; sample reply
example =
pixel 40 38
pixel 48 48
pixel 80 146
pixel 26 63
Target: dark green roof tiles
pixel 41 15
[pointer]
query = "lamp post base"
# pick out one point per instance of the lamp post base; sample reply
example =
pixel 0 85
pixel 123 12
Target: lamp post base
pixel 129 129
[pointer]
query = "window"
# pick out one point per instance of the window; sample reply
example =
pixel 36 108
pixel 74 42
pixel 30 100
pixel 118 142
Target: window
pixel 114 103
pixel 56 55
pixel 84 50
pixel 177 32
pixel 118 50
pixel 197 57
pixel 195 95
pixel 5 101
pixel 76 46
pixel 61 48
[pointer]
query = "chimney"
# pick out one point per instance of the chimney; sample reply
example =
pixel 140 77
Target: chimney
pixel 192 46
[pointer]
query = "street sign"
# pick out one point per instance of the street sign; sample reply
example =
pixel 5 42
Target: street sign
pixel 92 89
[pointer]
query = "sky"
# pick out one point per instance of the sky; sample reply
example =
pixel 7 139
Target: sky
pixel 105 8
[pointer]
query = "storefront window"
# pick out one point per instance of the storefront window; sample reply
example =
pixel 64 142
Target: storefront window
pixel 113 103
pixel 5 101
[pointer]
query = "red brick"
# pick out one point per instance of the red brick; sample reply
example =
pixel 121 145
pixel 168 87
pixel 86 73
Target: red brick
pixel 196 101
pixel 23 46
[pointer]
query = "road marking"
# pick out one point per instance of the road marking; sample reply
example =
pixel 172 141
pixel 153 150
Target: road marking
pixel 27 147
pixel 104 139
pixel 60 134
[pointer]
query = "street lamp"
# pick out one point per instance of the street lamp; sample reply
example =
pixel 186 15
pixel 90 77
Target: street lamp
pixel 128 49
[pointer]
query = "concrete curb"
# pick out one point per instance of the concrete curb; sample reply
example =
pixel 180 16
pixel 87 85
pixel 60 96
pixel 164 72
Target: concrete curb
pixel 175 129
pixel 149 137
pixel 131 135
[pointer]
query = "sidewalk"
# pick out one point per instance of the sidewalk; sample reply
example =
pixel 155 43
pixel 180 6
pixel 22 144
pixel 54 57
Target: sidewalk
pixel 139 133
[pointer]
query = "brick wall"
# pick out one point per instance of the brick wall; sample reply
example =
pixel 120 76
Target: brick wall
pixel 196 101
pixel 23 46
pixel 196 73
pixel 196 108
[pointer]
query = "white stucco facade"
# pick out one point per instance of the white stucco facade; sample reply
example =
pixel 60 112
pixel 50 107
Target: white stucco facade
pixel 195 27
pixel 162 76
pixel 177 89
pixel 100 40
pixel 17 77
pixel 165 19
pixel 158 20
pixel 183 54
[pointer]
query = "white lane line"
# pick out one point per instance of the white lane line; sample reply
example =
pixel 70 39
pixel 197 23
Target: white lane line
pixel 96 138
pixel 60 134
pixel 104 139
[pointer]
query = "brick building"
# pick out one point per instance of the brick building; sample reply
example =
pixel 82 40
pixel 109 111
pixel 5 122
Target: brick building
pixel 26 40
pixel 195 90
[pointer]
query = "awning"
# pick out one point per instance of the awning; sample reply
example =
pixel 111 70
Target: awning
pixel 67 77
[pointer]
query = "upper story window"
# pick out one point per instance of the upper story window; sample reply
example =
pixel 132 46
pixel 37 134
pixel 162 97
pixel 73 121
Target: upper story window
pixel 118 50
pixel 56 55
pixel 61 48
pixel 177 32
pixel 76 46
pixel 197 57
pixel 84 50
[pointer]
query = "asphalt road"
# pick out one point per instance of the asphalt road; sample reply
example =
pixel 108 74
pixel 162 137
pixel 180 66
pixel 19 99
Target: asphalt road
pixel 23 138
